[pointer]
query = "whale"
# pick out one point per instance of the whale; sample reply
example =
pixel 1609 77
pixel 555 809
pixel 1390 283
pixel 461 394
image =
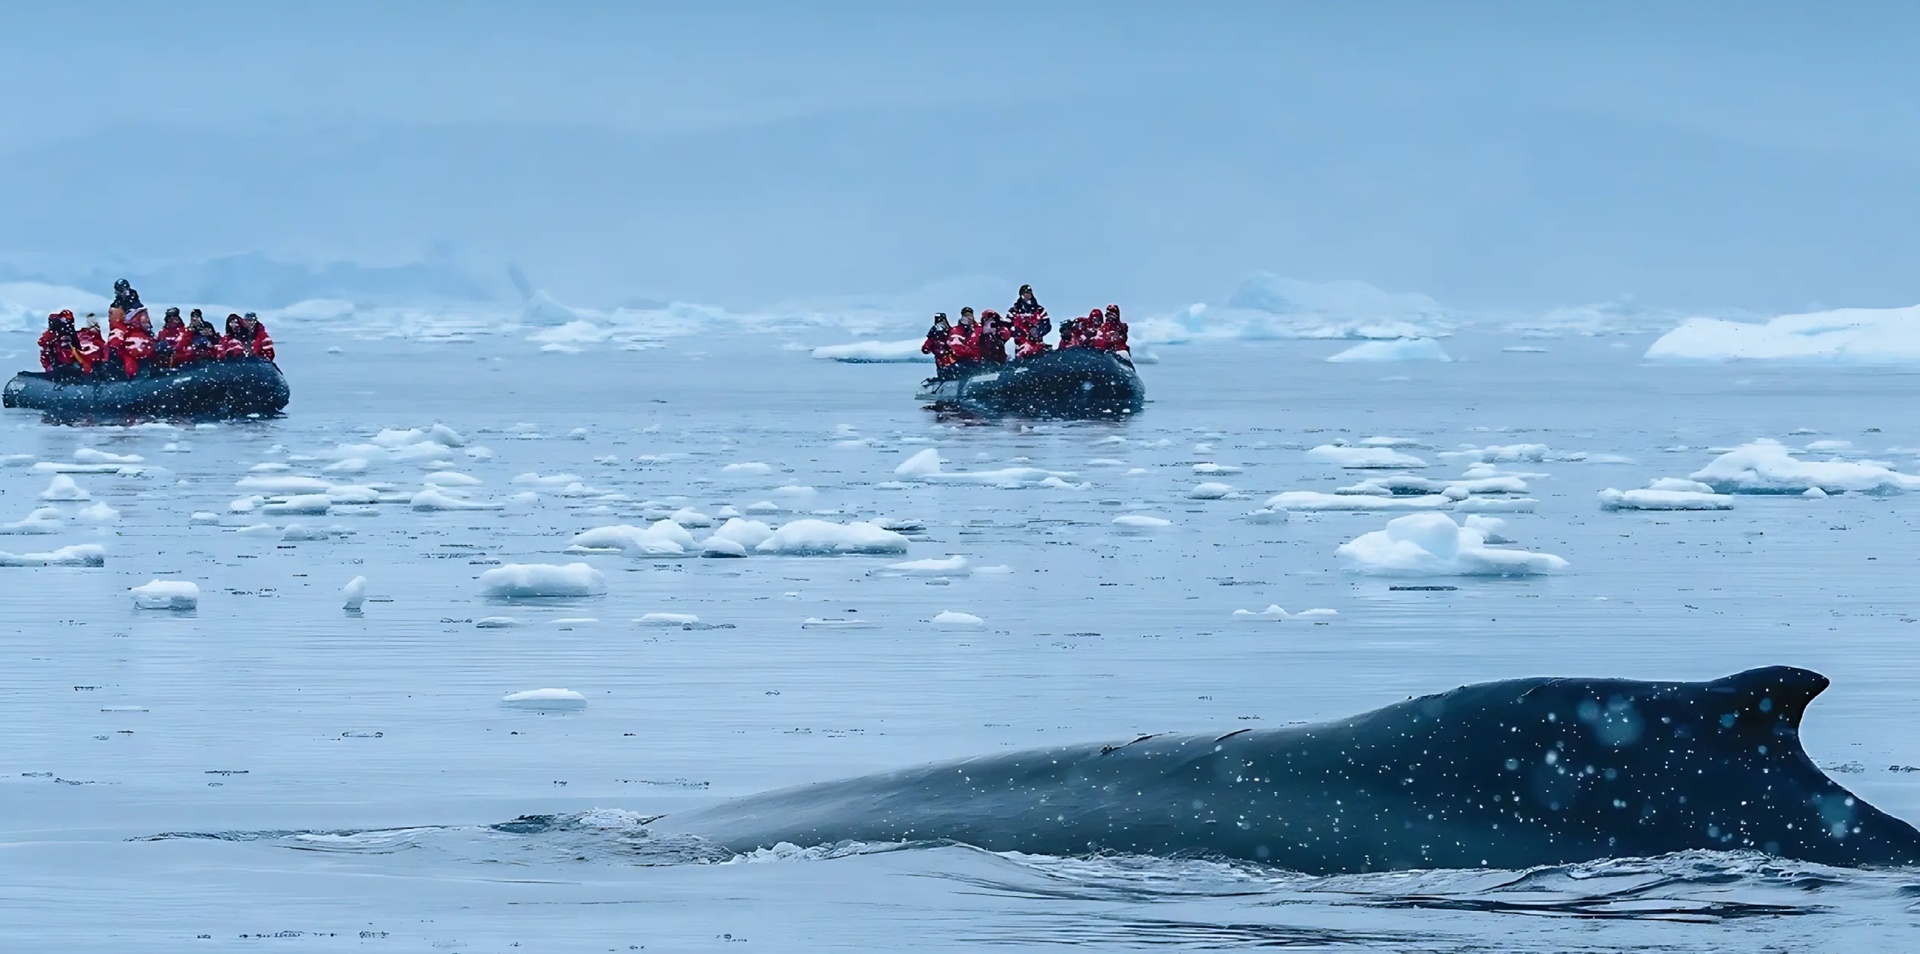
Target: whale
pixel 1512 774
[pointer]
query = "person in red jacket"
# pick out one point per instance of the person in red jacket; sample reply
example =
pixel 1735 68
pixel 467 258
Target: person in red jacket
pixel 994 334
pixel 170 345
pixel 1081 332
pixel 965 340
pixel 60 346
pixel 136 344
pixel 203 340
pixel 90 346
pixel 246 338
pixel 938 343
pixel 1113 332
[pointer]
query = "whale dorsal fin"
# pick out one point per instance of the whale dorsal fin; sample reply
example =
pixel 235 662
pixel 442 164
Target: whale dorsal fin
pixel 1775 695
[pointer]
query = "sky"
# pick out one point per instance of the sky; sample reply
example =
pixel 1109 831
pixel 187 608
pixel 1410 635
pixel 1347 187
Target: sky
pixel 1491 155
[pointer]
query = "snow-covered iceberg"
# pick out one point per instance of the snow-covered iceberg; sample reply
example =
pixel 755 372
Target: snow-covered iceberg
pixel 1431 544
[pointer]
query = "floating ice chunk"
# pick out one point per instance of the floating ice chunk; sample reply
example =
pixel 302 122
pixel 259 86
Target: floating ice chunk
pixel 204 518
pixel 1209 468
pixel 87 455
pixel 452 478
pixel 1611 499
pixel 1269 515
pixel 824 538
pixel 851 623
pixel 900 524
pixel 97 512
pixel 1680 484
pixel 16 460
pixel 433 498
pixel 552 700
pixel 1413 485
pixel 689 517
pixel 747 533
pixel 259 530
pixel 446 436
pixel 495 622
pixel 1767 467
pixel 1313 500
pixel 926 463
pixel 1401 349
pixel 720 548
pixel 1364 458
pixel 748 468
pixel 353 494
pixel 349 465
pixel 300 533
pixel 284 485
pixel 795 490
pixel 245 504
pixel 949 619
pixel 273 467
pixel 41 521
pixel 1493 529
pixel 166 595
pixel 1055 483
pixel 539 580
pixel 1431 544
pixel 303 504
pixel 548 480
pixel 63 488
pixel 1210 491
pixel 1815 493
pixel 1140 523
pixel 354 594
pixel 873 352
pixel 668 619
pixel 660 538
pixel 1503 453
pixel 85 554
pixel 1273 613
pixel 764 506
pixel 1383 441
pixel 1842 336
pixel 952 566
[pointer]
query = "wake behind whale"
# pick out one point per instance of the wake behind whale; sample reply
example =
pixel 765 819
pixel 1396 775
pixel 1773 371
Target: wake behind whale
pixel 1512 774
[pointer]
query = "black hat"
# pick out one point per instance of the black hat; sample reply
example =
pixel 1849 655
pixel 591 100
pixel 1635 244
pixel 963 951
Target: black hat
pixel 173 313
pixel 194 313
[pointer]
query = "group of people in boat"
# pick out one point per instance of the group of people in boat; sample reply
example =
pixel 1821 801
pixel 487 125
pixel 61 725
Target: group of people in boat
pixel 1025 326
pixel 131 347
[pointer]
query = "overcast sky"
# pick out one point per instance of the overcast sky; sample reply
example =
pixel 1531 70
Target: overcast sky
pixel 1489 154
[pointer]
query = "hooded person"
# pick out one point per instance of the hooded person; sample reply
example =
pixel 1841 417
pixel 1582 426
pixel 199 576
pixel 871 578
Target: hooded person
pixel 137 345
pixel 995 332
pixel 59 345
pixel 938 343
pixel 171 344
pixel 203 340
pixel 247 338
pixel 1030 324
pixel 89 345
pixel 1113 332
pixel 964 342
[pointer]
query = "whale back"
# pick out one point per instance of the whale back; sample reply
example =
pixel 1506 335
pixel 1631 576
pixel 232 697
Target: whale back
pixel 1614 767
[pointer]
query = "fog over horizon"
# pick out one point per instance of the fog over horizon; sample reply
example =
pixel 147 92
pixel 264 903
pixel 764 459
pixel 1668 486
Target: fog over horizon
pixel 1489 155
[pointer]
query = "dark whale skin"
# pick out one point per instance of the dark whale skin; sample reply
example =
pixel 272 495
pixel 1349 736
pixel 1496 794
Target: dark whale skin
pixel 1511 774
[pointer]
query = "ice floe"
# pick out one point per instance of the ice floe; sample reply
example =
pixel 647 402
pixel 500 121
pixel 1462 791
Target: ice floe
pixel 1273 613
pixel 660 538
pixel 284 484
pixel 952 566
pixel 552 700
pixel 1766 466
pixel 310 505
pixel 538 580
pixel 1655 499
pixel 667 619
pixel 42 520
pixel 1452 499
pixel 824 538
pixel 951 619
pixel 433 498
pixel 166 595
pixel 64 489
pixel 354 594
pixel 1431 544
pixel 1211 491
pixel 873 352
pixel 84 554
pixel 88 455
pixel 1846 335
pixel 1141 523
pixel 1363 458
pixel 1399 349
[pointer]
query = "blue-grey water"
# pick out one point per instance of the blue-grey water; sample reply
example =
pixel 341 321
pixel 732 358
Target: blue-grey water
pixel 271 772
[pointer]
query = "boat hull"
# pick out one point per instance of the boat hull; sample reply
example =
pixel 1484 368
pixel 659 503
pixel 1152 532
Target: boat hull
pixel 1075 383
pixel 236 388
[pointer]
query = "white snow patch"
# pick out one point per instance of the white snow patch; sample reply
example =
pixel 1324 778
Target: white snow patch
pixel 1768 467
pixel 166 595
pixel 1402 349
pixel 1364 458
pixel 537 580
pixel 85 554
pixel 63 488
pixel 824 538
pixel 1431 544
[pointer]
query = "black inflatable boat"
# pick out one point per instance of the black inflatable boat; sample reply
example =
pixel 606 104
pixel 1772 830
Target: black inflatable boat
pixel 235 388
pixel 1077 382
